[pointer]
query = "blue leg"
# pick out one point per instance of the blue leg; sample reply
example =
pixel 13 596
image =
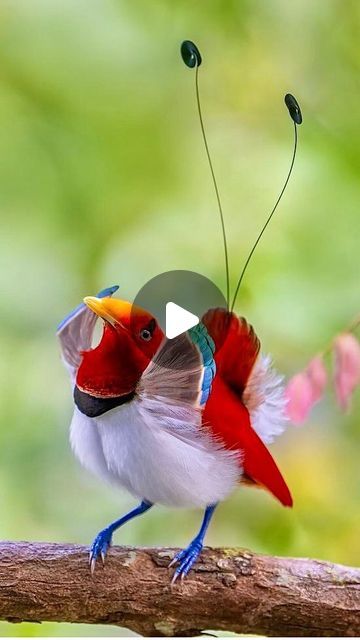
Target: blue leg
pixel 186 558
pixel 103 539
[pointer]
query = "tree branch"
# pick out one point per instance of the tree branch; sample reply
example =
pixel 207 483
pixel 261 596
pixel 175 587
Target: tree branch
pixel 229 589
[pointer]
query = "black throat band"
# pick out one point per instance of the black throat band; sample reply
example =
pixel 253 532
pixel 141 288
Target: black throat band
pixel 94 407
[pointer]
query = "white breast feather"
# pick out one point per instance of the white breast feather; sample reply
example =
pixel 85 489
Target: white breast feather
pixel 156 457
pixel 265 400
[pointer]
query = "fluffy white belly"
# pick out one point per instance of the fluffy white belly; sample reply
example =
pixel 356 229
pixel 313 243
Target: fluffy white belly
pixel 152 462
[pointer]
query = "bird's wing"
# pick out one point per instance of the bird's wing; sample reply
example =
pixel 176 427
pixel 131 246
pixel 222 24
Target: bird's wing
pixel 176 384
pixel 182 370
pixel 246 407
pixel 249 374
pixel 228 419
pixel 237 346
pixel 76 330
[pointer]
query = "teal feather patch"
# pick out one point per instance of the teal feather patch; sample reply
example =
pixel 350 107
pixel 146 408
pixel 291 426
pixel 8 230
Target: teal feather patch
pixel 206 346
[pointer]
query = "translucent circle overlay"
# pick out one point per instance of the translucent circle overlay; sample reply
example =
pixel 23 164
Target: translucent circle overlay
pixel 188 289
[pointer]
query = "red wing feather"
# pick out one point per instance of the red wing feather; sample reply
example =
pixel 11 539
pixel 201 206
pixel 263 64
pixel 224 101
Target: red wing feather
pixel 236 347
pixel 229 420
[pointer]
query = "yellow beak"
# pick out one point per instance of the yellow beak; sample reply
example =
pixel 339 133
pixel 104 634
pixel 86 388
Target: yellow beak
pixel 110 309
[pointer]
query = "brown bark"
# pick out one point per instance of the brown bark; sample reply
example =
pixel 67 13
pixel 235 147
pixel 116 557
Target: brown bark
pixel 229 589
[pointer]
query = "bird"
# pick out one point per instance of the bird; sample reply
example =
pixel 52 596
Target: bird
pixel 180 422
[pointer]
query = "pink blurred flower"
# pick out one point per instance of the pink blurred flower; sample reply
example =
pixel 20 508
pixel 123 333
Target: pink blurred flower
pixel 298 394
pixel 346 368
pixel 318 377
pixel 305 389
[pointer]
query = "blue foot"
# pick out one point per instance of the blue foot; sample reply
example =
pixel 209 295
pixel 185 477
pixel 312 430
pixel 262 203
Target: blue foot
pixel 185 559
pixel 103 539
pixel 99 547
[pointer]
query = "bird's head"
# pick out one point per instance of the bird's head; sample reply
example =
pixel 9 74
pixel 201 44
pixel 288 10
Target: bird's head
pixel 131 336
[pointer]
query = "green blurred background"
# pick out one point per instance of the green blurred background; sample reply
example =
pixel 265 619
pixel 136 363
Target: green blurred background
pixel 103 180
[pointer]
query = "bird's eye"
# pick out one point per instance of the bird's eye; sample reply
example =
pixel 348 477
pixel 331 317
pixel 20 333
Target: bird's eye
pixel 145 334
pixel 147 331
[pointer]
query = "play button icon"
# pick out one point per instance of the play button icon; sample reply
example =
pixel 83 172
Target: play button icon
pixel 178 320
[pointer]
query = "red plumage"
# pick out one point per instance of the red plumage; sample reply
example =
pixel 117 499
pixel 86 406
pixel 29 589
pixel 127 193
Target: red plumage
pixel 225 414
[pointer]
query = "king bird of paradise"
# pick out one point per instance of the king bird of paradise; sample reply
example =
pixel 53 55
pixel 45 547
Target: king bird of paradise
pixel 184 436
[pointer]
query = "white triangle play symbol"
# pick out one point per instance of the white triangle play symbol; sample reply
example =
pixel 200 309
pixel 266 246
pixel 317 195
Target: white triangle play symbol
pixel 178 320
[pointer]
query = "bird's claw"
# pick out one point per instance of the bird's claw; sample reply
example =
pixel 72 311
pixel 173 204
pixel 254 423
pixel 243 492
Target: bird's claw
pixel 99 548
pixel 185 560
